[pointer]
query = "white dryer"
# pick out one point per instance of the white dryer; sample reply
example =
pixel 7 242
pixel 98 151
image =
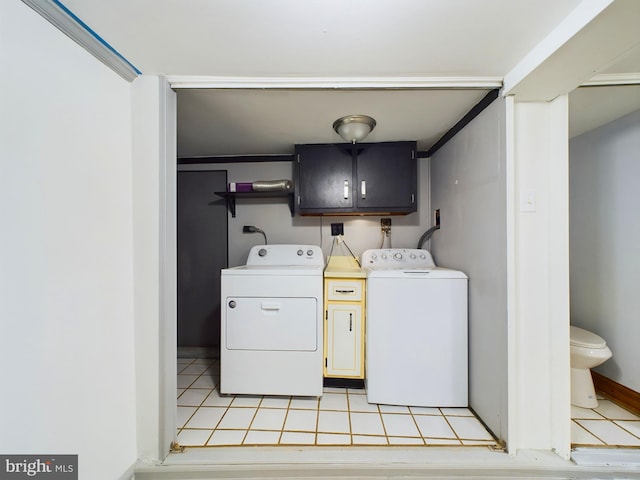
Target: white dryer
pixel 416 350
pixel 271 322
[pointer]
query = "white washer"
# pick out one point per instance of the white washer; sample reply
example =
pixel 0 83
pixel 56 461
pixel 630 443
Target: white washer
pixel 416 350
pixel 271 322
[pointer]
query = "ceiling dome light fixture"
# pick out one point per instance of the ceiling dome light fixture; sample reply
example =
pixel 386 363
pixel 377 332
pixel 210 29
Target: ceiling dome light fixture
pixel 354 128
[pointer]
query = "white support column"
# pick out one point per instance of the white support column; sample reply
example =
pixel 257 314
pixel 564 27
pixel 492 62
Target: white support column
pixel 539 386
pixel 154 180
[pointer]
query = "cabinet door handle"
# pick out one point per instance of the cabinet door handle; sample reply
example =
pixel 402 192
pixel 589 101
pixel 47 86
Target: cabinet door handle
pixel 338 290
pixel 346 189
pixel 363 188
pixel 350 322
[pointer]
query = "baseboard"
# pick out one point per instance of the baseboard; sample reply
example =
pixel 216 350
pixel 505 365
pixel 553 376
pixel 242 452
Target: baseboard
pixel 623 396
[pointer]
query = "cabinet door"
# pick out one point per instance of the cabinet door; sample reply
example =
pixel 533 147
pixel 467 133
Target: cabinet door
pixel 324 178
pixel 386 177
pixel 344 341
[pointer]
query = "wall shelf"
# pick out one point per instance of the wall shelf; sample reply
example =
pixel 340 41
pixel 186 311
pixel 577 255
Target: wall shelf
pixel 231 197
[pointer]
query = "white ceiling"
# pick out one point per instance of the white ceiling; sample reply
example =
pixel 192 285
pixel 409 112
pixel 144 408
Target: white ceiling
pixel 272 121
pixel 591 107
pixel 321 39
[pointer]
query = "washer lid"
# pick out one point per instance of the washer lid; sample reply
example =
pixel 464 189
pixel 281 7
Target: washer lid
pixel 584 338
pixel 413 273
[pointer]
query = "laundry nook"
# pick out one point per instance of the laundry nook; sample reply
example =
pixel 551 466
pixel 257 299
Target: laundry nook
pixel 286 239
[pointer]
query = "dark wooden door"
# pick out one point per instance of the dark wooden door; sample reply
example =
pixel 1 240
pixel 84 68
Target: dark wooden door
pixel 202 253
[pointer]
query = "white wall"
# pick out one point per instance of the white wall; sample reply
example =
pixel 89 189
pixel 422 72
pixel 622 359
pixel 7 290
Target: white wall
pixel 605 241
pixel 468 185
pixel 273 216
pixel 66 302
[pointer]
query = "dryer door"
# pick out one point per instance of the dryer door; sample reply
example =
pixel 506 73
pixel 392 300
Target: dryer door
pixel 271 324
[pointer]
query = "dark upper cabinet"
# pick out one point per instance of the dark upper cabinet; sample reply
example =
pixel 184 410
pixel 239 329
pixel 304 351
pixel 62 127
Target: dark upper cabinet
pixel 387 177
pixel 362 178
pixel 323 178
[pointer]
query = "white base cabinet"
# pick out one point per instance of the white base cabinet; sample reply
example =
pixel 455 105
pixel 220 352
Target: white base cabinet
pixel 344 328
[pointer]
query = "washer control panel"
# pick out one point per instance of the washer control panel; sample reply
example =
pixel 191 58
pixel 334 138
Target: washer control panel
pixel 397 258
pixel 285 255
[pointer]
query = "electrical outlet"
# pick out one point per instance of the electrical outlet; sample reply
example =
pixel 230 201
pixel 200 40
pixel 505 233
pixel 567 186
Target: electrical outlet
pixel 385 225
pixel 337 229
pixel 436 218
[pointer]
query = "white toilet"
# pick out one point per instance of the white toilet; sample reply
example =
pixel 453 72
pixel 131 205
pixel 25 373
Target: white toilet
pixel 588 350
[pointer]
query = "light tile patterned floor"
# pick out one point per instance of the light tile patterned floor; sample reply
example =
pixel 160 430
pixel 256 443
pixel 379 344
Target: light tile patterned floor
pixel 340 417
pixel 606 425
pixel 343 417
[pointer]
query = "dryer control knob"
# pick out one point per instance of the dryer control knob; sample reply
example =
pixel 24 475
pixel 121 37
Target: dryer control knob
pixel 423 256
pixel 300 252
pixel 262 252
pixel 309 252
pixel 412 256
pixel 384 256
pixel 397 256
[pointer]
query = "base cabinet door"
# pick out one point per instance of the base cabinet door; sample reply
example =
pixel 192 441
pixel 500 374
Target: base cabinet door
pixel 344 341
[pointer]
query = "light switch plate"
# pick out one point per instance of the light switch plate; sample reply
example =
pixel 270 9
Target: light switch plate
pixel 528 200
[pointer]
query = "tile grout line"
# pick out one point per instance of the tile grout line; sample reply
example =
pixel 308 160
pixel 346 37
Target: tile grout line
pixel 628 431
pixel 207 396
pixel 451 426
pixel 424 441
pixel 196 411
pixel 614 423
pixel 218 423
pixel 284 422
pixel 246 433
pixel 220 420
pixel 589 431
pixel 384 427
pixel 346 392
pixel 315 439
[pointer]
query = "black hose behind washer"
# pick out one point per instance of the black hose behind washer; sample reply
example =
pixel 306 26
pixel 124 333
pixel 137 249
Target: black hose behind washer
pixel 427 235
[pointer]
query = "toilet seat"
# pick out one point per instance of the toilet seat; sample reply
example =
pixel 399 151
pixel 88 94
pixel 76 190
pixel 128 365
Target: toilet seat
pixel 580 337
